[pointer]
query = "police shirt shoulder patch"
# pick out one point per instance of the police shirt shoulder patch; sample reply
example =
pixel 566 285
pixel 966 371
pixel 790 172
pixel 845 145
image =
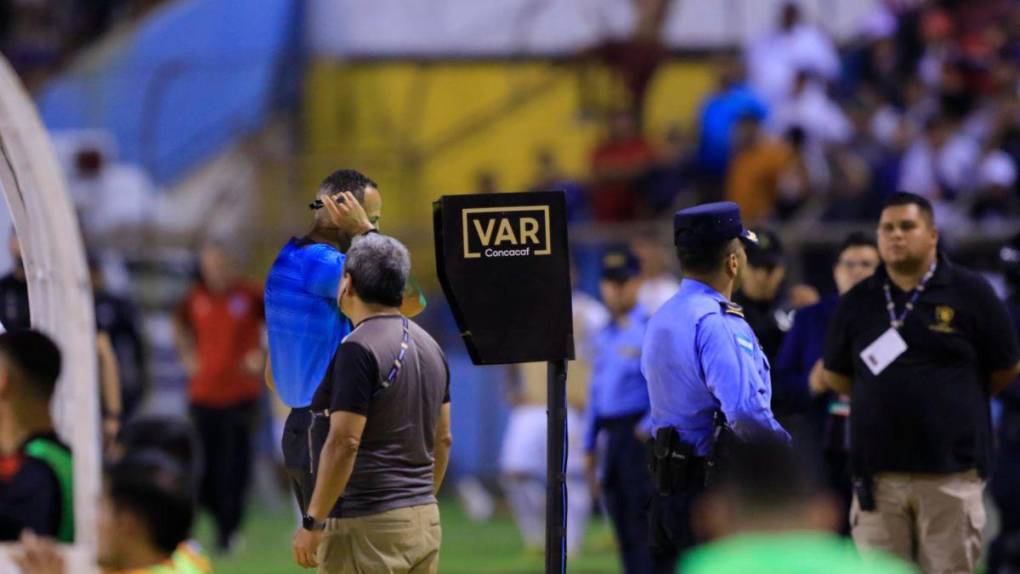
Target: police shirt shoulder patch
pixel 745 345
pixel 730 308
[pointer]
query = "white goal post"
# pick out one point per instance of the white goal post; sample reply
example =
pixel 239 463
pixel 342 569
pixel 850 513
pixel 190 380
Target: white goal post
pixel 60 295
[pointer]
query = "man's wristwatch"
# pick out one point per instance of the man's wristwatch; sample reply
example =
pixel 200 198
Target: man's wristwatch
pixel 310 523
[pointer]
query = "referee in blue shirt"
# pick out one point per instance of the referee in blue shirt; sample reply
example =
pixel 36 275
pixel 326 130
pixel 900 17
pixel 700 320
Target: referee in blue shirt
pixel 707 374
pixel 305 326
pixel 618 402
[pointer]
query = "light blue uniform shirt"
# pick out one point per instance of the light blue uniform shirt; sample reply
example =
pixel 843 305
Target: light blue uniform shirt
pixel 618 388
pixel 304 324
pixel 700 356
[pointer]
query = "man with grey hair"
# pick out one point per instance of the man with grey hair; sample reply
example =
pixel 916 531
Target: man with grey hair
pixel 386 399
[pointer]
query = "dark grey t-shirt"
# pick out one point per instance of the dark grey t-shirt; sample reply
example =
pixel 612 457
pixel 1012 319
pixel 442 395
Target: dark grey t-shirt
pixel 395 463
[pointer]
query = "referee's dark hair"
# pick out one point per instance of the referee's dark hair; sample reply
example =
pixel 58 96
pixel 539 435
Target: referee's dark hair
pixel 35 359
pixel 158 491
pixel 902 198
pixel 346 180
pixel 705 258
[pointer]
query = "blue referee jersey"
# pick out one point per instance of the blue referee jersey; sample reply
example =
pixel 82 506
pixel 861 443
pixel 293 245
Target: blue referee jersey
pixel 304 323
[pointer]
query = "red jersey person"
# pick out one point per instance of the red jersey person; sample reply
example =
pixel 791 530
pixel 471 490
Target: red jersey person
pixel 219 331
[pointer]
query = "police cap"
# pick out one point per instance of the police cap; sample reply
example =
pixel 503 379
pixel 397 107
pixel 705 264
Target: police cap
pixel 620 264
pixel 707 224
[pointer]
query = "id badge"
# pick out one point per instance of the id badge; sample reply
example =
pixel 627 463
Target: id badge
pixel 880 354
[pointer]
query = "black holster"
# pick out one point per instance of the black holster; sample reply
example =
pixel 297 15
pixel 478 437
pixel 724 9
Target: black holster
pixel 672 462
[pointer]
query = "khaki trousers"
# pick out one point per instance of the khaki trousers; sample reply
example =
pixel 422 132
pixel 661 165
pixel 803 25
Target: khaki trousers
pixel 933 520
pixel 401 541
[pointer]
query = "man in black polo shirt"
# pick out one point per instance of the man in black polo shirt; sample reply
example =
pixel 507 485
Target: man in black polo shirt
pixel 920 346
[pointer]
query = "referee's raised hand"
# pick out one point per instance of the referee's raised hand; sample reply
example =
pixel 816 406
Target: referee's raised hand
pixel 347 213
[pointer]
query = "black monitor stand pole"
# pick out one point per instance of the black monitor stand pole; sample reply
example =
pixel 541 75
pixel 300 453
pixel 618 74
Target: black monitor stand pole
pixel 556 470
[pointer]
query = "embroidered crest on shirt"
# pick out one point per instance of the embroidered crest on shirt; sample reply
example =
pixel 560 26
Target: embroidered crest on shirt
pixel 730 308
pixel 944 317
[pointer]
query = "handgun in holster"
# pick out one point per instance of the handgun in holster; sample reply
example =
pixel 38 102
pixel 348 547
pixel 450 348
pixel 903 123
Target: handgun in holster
pixel 671 458
pixel 864 488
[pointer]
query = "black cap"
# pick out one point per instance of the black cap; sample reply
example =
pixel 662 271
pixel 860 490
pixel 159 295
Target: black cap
pixel 767 251
pixel 707 224
pixel 620 264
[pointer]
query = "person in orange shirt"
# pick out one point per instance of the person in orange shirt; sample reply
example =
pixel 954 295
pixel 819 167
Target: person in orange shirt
pixel 759 170
pixel 218 329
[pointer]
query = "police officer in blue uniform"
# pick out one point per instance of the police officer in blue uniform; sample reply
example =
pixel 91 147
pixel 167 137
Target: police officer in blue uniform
pixel 708 378
pixel 618 402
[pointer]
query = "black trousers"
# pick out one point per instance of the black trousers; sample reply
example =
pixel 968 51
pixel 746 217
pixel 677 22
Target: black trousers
pixel 303 437
pixel 1004 553
pixel 226 437
pixel 627 488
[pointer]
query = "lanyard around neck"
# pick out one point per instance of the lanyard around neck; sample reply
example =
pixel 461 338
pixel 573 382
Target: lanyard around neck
pixel 897 321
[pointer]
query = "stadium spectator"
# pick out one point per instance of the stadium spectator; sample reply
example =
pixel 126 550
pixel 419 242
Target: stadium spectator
pixel 617 406
pixel 109 195
pixel 305 326
pixel 817 417
pixel 14 311
pixel 618 165
pixel 769 512
pixel 549 177
pixel 810 108
pixel 760 164
pixel 995 197
pixel 731 101
pixel 117 317
pixel 774 60
pixel 658 284
pixel 386 401
pixel 218 331
pixel 36 479
pixel 920 346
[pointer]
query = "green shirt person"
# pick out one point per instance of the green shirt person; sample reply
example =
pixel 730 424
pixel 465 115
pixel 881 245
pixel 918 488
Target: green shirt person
pixel 766 510
pixel 796 552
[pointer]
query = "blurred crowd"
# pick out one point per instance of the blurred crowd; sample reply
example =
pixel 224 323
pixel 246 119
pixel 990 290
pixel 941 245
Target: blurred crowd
pixel 925 98
pixel 39 36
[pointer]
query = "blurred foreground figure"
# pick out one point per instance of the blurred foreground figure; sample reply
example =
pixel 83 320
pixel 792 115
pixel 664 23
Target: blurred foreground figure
pixel 145 514
pixel 36 475
pixel 769 513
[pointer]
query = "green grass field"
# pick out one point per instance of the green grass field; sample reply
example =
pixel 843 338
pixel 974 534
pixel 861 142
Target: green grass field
pixel 468 548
